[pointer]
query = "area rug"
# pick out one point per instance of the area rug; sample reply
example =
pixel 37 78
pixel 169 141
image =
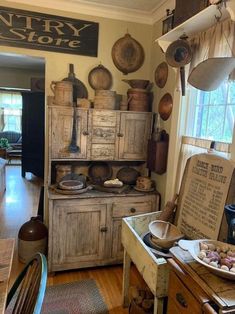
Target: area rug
pixel 80 297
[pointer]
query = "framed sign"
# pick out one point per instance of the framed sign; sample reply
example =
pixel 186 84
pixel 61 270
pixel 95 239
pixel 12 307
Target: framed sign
pixel 33 30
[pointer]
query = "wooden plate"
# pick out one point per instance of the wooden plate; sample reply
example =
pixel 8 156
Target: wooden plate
pixel 128 175
pixel 70 185
pixel 127 54
pixel 100 78
pixel 165 106
pixel 99 172
pixel 72 192
pixel 161 74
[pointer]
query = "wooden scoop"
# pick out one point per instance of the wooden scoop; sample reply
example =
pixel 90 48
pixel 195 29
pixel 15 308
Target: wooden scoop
pixel 168 210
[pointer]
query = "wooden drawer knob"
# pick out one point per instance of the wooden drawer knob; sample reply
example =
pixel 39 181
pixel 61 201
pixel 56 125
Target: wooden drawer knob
pixel 132 210
pixel 85 133
pixel 120 135
pixel 103 229
pixel 181 300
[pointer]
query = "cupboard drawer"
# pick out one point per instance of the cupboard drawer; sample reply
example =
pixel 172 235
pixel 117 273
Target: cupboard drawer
pixel 128 209
pixel 104 118
pixel 181 298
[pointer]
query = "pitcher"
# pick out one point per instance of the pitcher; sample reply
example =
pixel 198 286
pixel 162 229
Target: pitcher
pixel 63 92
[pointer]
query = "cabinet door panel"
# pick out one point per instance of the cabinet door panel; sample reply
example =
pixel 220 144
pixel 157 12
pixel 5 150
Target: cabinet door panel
pixel 77 232
pixel 134 134
pixel 61 132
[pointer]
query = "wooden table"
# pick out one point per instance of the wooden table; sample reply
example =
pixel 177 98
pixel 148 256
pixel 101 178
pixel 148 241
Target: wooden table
pixel 153 270
pixel 6 257
pixel 193 288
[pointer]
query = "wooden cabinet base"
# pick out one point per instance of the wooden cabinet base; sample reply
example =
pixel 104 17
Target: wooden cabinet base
pixel 86 232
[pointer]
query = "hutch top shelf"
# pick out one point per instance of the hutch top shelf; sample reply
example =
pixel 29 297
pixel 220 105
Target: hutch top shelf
pixel 197 23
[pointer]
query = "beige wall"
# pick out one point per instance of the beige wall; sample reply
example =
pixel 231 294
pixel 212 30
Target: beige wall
pixel 57 64
pixel 165 183
pixel 18 78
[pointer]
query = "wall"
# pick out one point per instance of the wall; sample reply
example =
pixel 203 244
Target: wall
pixel 109 31
pixel 17 78
pixel 165 183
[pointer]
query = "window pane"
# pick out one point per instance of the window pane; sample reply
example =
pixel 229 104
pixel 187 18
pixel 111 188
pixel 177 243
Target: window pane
pixel 211 115
pixel 215 122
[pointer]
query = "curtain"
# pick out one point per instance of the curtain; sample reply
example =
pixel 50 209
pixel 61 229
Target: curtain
pixel 10 111
pixel 217 41
pixel 191 146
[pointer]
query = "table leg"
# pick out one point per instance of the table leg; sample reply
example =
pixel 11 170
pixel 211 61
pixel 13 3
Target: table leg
pixel 126 279
pixel 158 306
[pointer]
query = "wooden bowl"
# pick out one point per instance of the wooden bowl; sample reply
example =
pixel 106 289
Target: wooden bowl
pixel 164 234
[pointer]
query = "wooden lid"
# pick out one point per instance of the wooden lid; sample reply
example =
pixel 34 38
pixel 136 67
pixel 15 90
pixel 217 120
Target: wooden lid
pixel 161 74
pixel 128 54
pixel 100 78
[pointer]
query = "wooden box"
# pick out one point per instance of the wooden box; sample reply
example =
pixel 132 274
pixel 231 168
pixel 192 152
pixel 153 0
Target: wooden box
pixel 157 156
pixel 186 9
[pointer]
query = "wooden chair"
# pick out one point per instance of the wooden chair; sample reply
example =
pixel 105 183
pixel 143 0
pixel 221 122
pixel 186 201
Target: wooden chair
pixel 29 288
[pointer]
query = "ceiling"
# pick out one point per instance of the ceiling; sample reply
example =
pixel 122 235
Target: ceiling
pixel 142 5
pixel 16 61
pixel 142 11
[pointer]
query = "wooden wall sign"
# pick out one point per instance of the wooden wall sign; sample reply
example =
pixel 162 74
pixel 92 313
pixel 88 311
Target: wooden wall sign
pixel 208 184
pixel 33 30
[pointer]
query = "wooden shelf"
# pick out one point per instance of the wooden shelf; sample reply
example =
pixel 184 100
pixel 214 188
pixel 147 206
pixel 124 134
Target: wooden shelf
pixel 197 23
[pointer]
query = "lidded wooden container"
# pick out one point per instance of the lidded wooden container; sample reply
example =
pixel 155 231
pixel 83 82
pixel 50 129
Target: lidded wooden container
pixel 139 99
pixel 104 99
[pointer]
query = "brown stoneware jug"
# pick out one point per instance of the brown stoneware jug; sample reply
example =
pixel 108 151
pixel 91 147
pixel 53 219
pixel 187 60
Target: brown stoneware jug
pixel 32 238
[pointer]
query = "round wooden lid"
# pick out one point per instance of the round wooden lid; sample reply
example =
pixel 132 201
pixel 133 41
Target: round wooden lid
pixel 161 74
pixel 100 78
pixel 128 54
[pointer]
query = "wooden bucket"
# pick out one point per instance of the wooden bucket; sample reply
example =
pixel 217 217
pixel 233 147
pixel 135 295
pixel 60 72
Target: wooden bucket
pixel 104 99
pixel 139 99
pixel 63 92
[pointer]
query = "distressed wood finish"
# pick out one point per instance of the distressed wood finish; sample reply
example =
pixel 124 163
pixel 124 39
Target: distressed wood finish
pixel 133 135
pixel 101 134
pixel 6 257
pixel 61 132
pixel 86 231
pixel 154 270
pixel 201 283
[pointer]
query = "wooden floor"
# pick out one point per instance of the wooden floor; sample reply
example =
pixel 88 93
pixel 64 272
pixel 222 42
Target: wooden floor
pixel 20 202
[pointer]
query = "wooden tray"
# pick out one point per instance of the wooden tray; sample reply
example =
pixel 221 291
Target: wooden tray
pixel 117 190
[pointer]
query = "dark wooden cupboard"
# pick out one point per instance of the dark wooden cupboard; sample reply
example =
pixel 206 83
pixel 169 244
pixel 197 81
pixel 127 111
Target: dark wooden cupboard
pixel 33 133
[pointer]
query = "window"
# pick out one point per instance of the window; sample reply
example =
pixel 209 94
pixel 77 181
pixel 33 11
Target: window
pixel 211 115
pixel 10 111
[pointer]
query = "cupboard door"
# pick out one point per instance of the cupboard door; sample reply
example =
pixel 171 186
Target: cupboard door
pixel 133 135
pixel 79 233
pixel 61 132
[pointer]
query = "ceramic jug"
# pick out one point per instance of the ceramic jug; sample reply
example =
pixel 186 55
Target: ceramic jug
pixel 63 92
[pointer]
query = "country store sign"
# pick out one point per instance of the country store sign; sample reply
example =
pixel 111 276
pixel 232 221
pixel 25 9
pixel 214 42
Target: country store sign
pixel 32 30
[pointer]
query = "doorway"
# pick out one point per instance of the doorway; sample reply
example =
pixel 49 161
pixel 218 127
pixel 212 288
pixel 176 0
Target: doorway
pixel 22 111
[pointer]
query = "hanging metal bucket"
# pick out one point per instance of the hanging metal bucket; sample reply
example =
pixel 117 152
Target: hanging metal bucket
pixel 210 73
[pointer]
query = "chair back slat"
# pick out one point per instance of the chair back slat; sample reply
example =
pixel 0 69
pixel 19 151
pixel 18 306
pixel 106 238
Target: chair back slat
pixel 30 287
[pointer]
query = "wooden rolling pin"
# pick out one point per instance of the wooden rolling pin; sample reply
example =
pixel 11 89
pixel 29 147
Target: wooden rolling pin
pixel 168 210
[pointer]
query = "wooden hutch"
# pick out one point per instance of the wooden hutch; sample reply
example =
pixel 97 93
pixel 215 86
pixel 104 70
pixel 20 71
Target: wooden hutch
pixel 85 229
